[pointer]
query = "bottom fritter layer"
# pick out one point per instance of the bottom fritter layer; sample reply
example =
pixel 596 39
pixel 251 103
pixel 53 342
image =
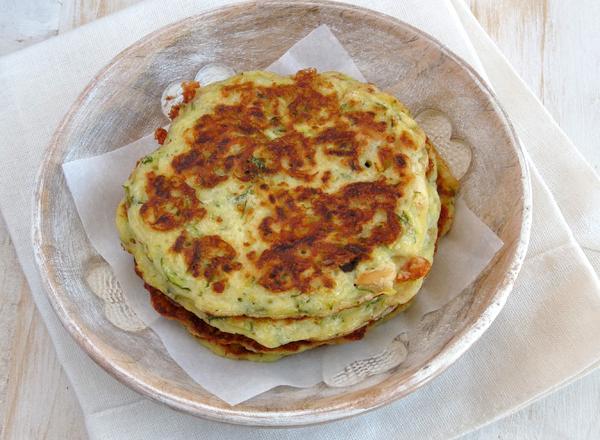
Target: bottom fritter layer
pixel 236 346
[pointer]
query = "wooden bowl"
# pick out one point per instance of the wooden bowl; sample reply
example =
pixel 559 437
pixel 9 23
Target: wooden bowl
pixel 121 105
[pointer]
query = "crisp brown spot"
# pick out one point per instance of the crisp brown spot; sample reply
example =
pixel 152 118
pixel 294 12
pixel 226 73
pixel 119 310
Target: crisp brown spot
pixel 160 134
pixel 189 90
pixel 430 166
pixel 171 203
pixel 406 140
pixel 313 233
pixel 339 141
pixel 400 161
pixel 174 112
pixel 444 218
pixel 413 269
pixel 386 157
pixel 208 257
pixel 218 286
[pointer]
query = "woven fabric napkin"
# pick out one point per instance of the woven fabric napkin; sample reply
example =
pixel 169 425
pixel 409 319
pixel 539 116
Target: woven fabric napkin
pixel 545 336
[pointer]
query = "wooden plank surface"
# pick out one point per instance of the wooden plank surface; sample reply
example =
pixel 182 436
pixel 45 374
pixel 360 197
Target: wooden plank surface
pixel 554 47
pixel 36 399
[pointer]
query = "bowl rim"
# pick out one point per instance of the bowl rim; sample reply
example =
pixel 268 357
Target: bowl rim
pixel 447 355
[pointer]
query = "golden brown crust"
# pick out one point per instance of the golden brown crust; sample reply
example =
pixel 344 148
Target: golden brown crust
pixel 160 134
pixel 309 233
pixel 413 269
pixel 306 243
pixel 189 90
pixel 319 186
pixel 447 187
pixel 171 203
pixel 209 257
pixel 233 343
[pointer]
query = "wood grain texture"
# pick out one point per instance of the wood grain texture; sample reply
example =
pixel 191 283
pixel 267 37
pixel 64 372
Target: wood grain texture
pixel 24 22
pixel 553 46
pixel 75 13
pixel 34 389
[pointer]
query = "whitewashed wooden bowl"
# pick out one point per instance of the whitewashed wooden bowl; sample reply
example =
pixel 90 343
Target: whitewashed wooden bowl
pixel 121 105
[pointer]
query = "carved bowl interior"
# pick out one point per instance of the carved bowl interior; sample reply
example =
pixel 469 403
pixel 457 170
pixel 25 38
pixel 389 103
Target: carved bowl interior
pixel 121 105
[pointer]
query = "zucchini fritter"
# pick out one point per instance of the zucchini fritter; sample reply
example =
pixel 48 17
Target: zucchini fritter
pixel 287 209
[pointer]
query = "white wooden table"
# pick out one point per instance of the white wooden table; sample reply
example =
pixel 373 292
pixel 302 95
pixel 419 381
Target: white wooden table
pixel 555 47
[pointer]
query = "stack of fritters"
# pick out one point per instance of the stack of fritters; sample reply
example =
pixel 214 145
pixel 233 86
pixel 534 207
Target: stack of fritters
pixel 284 213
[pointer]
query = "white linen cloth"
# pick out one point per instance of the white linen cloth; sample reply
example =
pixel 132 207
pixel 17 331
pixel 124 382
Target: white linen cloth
pixel 545 337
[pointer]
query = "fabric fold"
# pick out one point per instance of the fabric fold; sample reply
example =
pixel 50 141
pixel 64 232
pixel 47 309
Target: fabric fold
pixel 560 164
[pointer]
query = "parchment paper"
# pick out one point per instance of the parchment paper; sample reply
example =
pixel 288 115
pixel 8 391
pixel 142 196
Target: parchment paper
pixel 95 184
